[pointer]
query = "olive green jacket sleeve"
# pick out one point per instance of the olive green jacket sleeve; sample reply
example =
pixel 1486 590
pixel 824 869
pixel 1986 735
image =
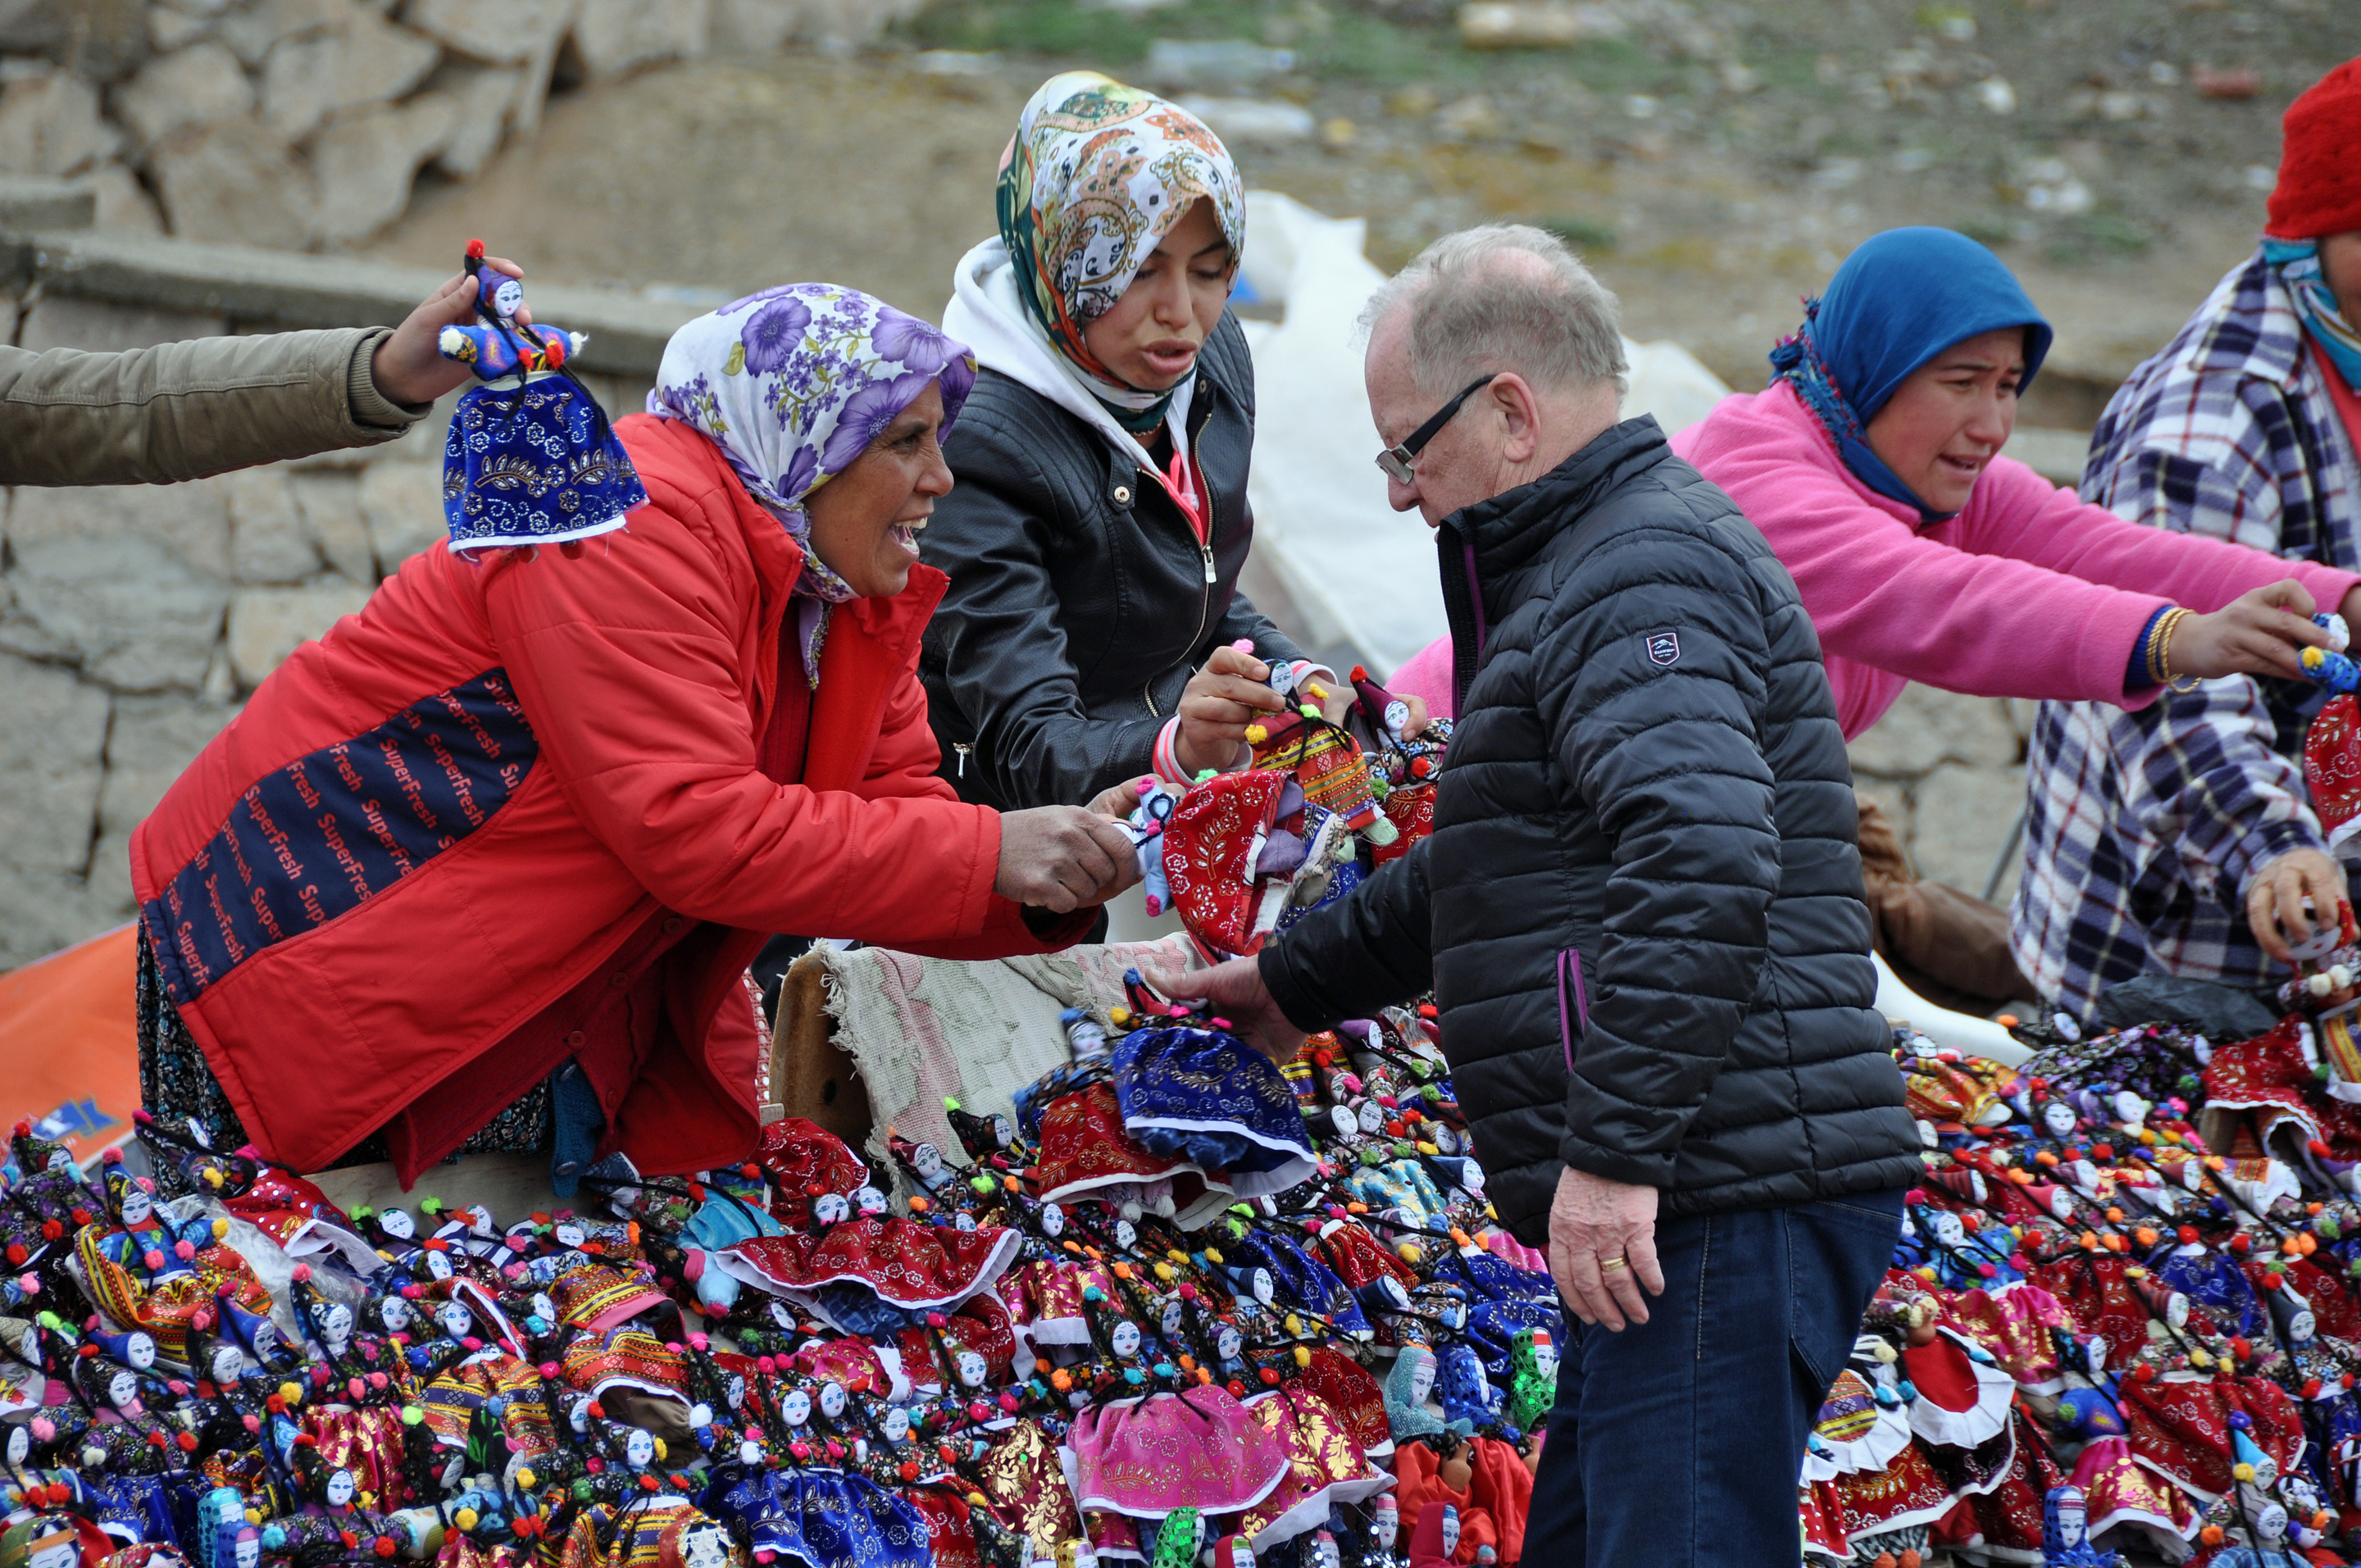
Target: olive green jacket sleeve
pixel 180 411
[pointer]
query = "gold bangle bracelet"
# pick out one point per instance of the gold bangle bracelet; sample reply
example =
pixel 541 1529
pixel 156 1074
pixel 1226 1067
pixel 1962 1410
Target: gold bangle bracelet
pixel 2164 655
pixel 2157 636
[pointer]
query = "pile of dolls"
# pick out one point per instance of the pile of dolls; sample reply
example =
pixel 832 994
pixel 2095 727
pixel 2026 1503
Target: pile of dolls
pixel 1184 1306
pixel 2126 1315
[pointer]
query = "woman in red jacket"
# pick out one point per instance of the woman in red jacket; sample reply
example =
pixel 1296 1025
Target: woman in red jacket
pixel 483 866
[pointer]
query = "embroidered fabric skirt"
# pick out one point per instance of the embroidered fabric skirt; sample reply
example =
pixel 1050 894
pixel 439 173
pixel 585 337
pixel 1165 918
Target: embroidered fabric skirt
pixel 178 1087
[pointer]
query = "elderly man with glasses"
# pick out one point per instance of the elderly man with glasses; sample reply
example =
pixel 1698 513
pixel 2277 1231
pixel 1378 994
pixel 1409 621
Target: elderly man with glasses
pixel 1640 911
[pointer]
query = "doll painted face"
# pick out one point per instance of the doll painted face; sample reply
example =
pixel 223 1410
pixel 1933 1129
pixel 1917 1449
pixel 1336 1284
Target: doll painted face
pixel 1397 718
pixel 2301 1325
pixel 1053 1220
pixel 1544 1354
pixel 249 1548
pixel 831 1399
pixel 1228 1345
pixel 1170 1321
pixel 339 1489
pixel 228 1364
pixel 962 1221
pixel 704 1545
pixel 1949 1231
pixel 138 1207
pixel 2270 1526
pixel 2058 1117
pixel 1421 1377
pixel 1126 1235
pixel 1372 1118
pixel 506 297
pixel 831 1208
pixel 20 1446
pixel 1088 1037
pixel 438 1266
pixel 1385 1523
pixel 570 1235
pixel 869 1200
pixel 336 1324
pixel 1124 1339
pixel 897 1425
pixel 63 1549
pixel 1450 1530
pixel 138 1351
pixel 1323 1552
pixel 123 1390
pixel 927 1162
pixel 639 1449
pixel 1003 1133
pixel 454 1319
pixel 796 1407
pixel 972 1367
pixel 1342 1119
pixel 397 1224
pixel 1260 1284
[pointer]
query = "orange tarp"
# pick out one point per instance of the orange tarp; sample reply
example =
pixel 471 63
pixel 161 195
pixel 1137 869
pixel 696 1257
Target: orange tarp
pixel 69 1049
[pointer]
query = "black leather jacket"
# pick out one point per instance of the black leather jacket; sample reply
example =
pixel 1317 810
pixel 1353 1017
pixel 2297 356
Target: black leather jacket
pixel 1640 909
pixel 1080 601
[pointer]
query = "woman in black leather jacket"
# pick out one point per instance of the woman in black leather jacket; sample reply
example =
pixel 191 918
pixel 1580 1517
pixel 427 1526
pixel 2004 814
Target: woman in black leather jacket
pixel 1098 522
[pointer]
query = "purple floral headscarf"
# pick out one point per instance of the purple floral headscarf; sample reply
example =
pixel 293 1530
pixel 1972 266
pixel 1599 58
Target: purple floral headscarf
pixel 793 384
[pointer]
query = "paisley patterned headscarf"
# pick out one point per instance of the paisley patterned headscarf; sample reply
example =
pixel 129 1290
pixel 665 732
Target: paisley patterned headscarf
pixel 793 384
pixel 1099 174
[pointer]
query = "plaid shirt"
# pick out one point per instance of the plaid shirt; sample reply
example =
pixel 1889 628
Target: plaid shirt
pixel 2142 830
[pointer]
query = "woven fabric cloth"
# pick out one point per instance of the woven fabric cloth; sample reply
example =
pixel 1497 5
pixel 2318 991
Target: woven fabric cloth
pixel 923 1029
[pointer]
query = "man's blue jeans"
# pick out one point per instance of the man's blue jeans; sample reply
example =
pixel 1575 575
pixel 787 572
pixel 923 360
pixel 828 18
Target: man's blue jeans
pixel 1678 1442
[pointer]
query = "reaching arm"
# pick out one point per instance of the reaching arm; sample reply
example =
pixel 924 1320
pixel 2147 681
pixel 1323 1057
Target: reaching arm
pixel 182 411
pixel 624 658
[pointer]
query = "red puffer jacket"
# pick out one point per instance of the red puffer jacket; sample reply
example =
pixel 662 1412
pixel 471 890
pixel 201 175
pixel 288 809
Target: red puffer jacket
pixel 431 825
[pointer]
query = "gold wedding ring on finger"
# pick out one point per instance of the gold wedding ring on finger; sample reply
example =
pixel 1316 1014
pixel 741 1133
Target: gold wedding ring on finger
pixel 1610 1265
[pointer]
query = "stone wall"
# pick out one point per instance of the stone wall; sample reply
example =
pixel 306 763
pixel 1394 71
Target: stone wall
pixel 135 620
pixel 303 123
pixel 1949 771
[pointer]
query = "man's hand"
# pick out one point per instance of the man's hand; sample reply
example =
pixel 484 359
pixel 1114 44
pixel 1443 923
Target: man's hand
pixel 1063 858
pixel 1237 993
pixel 1594 1222
pixel 2274 900
pixel 2260 632
pixel 1119 801
pixel 1219 702
pixel 407 367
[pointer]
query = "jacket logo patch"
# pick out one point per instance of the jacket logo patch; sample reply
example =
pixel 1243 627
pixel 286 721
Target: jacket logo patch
pixel 1664 648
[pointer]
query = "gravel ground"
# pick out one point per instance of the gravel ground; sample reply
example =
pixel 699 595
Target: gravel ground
pixel 1713 161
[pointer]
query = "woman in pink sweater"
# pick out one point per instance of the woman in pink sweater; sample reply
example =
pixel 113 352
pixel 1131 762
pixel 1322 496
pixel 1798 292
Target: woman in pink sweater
pixel 1872 466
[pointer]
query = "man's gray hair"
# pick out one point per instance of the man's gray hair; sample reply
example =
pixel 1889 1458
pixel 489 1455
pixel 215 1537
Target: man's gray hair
pixel 1504 297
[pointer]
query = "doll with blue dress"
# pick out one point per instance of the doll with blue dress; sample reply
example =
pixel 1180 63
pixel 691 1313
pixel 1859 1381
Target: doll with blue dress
pixel 530 458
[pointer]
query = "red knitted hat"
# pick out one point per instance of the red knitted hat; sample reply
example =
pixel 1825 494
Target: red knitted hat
pixel 2319 191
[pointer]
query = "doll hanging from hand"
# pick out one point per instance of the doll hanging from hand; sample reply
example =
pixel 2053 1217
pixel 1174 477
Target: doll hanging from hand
pixel 530 458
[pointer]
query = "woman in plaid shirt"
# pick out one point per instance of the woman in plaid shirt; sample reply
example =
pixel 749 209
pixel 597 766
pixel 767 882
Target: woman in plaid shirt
pixel 2178 838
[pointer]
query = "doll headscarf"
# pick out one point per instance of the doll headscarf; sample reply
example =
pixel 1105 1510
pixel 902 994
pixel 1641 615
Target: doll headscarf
pixel 1098 175
pixel 793 384
pixel 1901 298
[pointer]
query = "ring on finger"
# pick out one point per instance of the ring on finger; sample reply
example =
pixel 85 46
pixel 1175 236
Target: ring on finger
pixel 1610 1265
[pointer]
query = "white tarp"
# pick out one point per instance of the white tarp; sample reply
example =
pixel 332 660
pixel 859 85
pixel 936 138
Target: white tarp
pixel 1359 572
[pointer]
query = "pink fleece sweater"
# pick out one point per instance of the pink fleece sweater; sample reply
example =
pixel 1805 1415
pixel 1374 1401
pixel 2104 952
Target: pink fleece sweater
pixel 2027 593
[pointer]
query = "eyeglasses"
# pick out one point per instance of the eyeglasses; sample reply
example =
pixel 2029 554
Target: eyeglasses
pixel 1399 461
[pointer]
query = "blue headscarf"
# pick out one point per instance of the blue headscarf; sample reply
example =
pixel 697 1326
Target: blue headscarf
pixel 1901 298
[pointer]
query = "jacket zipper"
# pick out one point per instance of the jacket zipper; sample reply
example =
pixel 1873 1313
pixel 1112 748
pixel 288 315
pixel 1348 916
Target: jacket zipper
pixel 962 748
pixel 1204 595
pixel 1569 967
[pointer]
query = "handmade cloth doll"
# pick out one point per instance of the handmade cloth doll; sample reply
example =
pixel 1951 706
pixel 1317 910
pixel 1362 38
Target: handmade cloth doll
pixel 534 462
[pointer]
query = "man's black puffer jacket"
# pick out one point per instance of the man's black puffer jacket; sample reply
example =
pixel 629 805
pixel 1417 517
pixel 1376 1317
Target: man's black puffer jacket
pixel 1643 864
pixel 1080 601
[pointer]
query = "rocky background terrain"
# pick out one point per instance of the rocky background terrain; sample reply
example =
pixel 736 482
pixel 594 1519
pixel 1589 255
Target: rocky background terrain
pixel 1713 162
